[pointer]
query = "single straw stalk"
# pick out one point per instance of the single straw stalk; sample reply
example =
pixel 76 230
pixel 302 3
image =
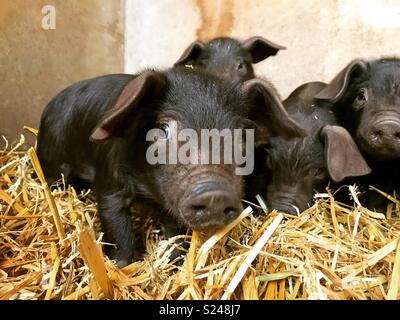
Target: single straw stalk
pixel 251 256
pixel 50 200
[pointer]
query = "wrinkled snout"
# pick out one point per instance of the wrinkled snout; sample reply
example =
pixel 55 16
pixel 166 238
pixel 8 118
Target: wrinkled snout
pixel 211 203
pixel 384 137
pixel 292 200
pixel 387 129
pixel 286 206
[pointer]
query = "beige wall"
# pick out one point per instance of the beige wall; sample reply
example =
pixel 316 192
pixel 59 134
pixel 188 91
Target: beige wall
pixel 321 35
pixel 35 64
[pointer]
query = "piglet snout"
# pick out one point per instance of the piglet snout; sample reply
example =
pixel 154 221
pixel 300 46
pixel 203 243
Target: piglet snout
pixel 288 203
pixel 386 129
pixel 286 208
pixel 211 203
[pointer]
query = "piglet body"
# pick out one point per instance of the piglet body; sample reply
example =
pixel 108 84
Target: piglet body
pixel 366 100
pixel 95 132
pixel 303 166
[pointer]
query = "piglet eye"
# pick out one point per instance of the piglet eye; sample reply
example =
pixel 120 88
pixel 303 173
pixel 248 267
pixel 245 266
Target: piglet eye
pixel 268 162
pixel 202 62
pixel 241 69
pixel 319 173
pixel 164 126
pixel 361 97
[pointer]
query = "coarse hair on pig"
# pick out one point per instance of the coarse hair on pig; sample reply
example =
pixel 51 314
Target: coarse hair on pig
pixel 95 132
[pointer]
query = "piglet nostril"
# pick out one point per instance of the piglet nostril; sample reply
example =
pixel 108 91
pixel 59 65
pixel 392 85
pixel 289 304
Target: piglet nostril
pixel 230 211
pixel 377 133
pixel 199 208
pixel 198 211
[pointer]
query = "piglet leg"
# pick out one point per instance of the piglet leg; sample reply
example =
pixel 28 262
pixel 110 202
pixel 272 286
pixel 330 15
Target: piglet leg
pixel 171 228
pixel 116 224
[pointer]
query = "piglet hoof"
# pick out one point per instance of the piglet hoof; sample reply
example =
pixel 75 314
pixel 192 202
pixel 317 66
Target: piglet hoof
pixel 121 259
pixel 177 256
pixel 122 263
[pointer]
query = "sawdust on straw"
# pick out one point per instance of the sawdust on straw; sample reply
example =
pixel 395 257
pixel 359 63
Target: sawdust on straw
pixel 51 248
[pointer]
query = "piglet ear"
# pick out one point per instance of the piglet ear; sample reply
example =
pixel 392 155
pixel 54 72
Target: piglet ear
pixel 337 88
pixel 190 53
pixel 132 95
pixel 268 112
pixel 342 155
pixel 261 48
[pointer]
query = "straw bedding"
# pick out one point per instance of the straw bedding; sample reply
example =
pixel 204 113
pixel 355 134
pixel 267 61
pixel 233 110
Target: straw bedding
pixel 51 248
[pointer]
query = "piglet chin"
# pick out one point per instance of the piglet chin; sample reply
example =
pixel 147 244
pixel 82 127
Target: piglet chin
pixel 379 150
pixel 208 225
pixel 386 153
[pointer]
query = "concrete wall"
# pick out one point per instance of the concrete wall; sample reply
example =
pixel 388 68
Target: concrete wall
pixel 35 64
pixel 322 36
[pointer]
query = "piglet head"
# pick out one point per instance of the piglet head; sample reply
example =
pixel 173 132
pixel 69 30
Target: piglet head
pixel 228 57
pixel 368 97
pixel 301 167
pixel 192 135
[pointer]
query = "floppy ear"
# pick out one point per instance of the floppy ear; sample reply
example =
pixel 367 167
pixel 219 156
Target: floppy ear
pixel 303 95
pixel 190 53
pixel 132 95
pixel 268 112
pixel 342 155
pixel 261 48
pixel 336 89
